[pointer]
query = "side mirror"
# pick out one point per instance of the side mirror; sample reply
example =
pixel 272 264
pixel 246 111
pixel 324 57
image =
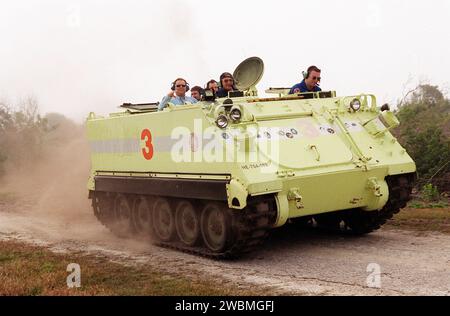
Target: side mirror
pixel 385 107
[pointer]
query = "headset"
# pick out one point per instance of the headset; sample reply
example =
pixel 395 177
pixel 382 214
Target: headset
pixel 226 75
pixel 305 74
pixel 308 72
pixel 173 84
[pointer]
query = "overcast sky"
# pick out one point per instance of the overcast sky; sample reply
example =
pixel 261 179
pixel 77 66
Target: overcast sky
pixel 78 56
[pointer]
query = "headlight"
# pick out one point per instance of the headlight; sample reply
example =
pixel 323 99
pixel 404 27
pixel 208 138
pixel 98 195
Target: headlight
pixel 355 105
pixel 235 114
pixel 222 121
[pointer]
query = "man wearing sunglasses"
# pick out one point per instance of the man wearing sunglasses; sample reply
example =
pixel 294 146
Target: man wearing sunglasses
pixel 226 85
pixel 177 95
pixel 310 82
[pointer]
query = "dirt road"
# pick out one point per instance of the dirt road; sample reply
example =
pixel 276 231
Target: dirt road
pixel 291 262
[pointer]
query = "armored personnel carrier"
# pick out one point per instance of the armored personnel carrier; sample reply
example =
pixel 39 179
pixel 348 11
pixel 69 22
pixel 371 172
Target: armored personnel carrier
pixel 215 177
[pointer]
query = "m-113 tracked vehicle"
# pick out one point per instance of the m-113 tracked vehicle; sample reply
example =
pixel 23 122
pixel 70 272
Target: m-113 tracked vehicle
pixel 215 177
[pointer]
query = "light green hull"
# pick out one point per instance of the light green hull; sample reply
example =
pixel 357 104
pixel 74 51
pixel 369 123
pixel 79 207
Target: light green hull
pixel 338 159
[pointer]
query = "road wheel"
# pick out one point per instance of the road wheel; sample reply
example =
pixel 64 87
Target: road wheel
pixel 163 220
pixel 360 222
pixel 187 223
pixel 122 224
pixel 142 215
pixel 329 221
pixel 216 227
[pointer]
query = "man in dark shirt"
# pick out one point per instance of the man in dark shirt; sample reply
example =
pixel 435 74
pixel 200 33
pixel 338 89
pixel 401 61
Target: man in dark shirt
pixel 226 85
pixel 212 85
pixel 310 82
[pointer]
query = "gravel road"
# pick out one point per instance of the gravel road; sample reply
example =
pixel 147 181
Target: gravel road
pixel 387 262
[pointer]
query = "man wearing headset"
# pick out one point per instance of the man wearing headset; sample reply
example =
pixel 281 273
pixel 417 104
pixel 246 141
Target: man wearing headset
pixel 212 85
pixel 177 95
pixel 310 82
pixel 226 85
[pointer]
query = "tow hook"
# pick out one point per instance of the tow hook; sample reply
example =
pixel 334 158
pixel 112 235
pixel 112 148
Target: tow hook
pixel 294 195
pixel 372 184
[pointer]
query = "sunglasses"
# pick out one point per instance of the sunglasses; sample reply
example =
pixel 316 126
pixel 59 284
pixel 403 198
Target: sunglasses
pixel 316 78
pixel 228 80
pixel 180 85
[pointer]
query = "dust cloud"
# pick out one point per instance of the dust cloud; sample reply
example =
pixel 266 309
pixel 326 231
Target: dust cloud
pixel 44 195
pixel 49 190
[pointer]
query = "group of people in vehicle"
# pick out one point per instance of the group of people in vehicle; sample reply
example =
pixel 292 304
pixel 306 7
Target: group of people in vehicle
pixel 226 84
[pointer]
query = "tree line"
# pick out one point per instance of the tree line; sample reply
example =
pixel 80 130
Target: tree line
pixel 22 131
pixel 424 131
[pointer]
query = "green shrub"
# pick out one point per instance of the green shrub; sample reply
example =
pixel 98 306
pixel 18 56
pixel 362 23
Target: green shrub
pixel 425 133
pixel 430 193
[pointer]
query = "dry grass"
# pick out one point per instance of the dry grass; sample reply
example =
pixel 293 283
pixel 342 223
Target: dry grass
pixel 30 270
pixel 423 219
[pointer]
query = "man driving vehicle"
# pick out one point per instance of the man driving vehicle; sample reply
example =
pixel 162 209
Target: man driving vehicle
pixel 310 82
pixel 226 85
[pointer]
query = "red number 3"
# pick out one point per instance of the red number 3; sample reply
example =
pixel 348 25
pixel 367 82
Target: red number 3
pixel 146 135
